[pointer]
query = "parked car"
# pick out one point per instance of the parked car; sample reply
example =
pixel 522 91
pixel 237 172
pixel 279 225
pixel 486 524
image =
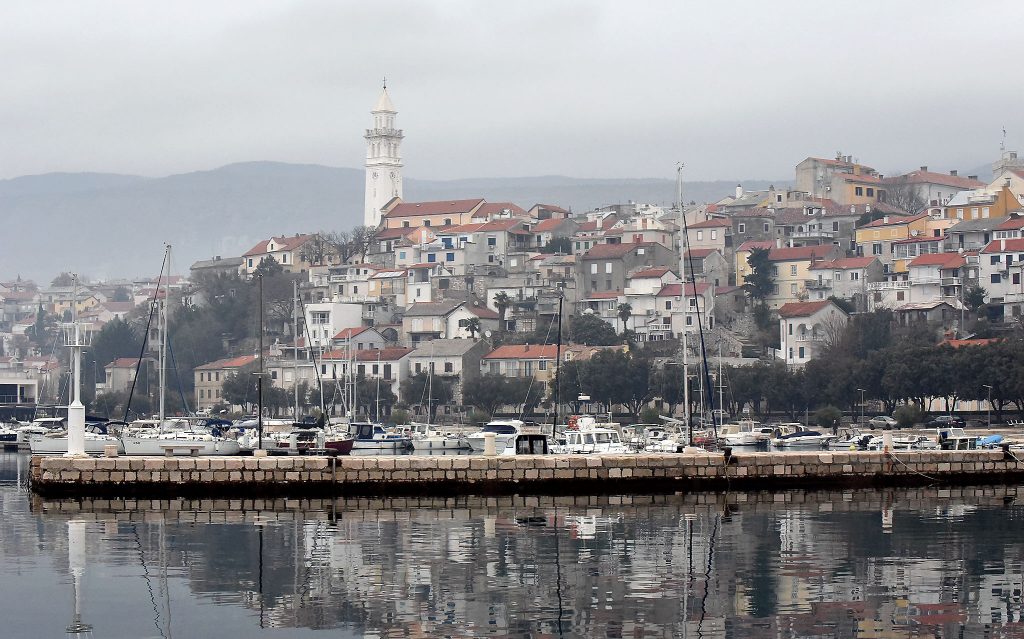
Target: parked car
pixel 945 421
pixel 883 421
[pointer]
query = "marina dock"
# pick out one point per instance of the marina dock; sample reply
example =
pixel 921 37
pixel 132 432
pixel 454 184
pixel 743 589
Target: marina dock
pixel 452 475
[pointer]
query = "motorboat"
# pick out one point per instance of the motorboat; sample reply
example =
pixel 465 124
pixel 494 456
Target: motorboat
pixel 371 436
pixel 954 438
pixel 511 437
pixel 746 432
pixel 585 436
pixel 428 437
pixel 808 439
pixel 852 441
pixel 179 442
pixel 55 442
pixel 905 442
pixel 38 426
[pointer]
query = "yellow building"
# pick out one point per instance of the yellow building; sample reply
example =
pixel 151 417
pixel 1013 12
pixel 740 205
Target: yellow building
pixel 791 271
pixel 875 239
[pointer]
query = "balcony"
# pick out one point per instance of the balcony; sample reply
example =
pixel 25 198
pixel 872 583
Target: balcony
pixel 813 234
pixel 809 337
pixel 1013 298
pixel 822 283
pixel 951 281
pixel 902 285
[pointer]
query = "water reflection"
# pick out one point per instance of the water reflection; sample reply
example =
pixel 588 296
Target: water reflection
pixel 910 563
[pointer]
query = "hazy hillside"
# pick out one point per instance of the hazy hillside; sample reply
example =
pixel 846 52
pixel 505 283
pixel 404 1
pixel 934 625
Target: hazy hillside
pixel 106 225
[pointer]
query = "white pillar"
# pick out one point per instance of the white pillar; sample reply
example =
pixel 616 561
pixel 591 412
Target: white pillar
pixel 76 562
pixel 76 410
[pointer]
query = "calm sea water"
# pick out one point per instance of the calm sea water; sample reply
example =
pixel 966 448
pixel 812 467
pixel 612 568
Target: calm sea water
pixel 939 562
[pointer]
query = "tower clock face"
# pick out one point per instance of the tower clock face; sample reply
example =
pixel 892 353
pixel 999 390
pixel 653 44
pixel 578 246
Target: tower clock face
pixel 392 175
pixel 375 175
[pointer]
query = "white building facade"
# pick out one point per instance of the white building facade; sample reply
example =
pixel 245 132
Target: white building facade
pixel 383 160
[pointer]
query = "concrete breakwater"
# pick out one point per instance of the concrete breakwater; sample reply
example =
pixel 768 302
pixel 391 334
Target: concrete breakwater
pixel 520 474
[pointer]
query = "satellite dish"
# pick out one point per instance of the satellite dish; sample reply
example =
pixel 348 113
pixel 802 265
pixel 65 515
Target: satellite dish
pixel 440 336
pixel 487 333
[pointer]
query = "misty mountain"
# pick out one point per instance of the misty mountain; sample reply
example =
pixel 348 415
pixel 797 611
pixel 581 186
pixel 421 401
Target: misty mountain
pixel 107 225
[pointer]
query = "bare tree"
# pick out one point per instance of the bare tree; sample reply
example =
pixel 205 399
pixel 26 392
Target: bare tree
pixel 318 250
pixel 902 194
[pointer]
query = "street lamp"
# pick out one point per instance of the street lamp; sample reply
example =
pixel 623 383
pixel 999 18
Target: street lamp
pixel 861 391
pixel 989 404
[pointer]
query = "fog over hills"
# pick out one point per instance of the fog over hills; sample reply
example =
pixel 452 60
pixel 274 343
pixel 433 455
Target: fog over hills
pixel 107 225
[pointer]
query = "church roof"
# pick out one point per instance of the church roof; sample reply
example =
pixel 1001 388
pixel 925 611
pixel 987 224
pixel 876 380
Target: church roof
pixel 384 103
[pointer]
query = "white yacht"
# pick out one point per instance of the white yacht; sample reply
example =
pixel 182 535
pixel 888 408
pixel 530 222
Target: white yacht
pixel 746 432
pixel 803 439
pixel 178 442
pixel 370 436
pixel 39 426
pixel 55 442
pixel 585 435
pixel 511 437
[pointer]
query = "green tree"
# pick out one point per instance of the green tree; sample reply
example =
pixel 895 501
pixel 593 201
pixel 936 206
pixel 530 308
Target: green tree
pixel 591 330
pixel 489 392
pixel 624 311
pixel 416 388
pixel 239 389
pixel 64 279
pixel 759 282
pixel 907 415
pixel 561 245
pixel 267 267
pixel 828 417
pixel 121 294
pixel 375 397
pixel 502 301
pixel 473 326
pixel 974 299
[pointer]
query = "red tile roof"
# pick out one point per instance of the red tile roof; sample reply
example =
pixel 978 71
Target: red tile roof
pixel 493 225
pixel 699 253
pixel 930 177
pixel 803 309
pixel 230 362
pixel 960 343
pixel 894 220
pixel 391 354
pixel 498 208
pixel 395 233
pixel 525 351
pixel 863 177
pixel 750 245
pixel 714 222
pixel 549 224
pixel 446 207
pixel 1012 224
pixel 600 251
pixel 942 260
pixel 550 207
pixel 921 238
pixel 283 244
pixel 845 262
pixel 676 290
pixel 793 253
pixel 123 362
pixel 756 211
pixel 658 271
pixel 602 295
pixel 482 312
pixel 1014 245
pixel 349 333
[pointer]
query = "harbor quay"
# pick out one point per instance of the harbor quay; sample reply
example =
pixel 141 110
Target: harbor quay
pixel 267 477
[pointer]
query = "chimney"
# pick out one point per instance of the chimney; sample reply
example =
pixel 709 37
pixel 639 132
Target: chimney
pixel 739 191
pixel 953 172
pixel 972 177
pixel 867 208
pixel 885 219
pixel 778 243
pixel 924 169
pixel 1002 245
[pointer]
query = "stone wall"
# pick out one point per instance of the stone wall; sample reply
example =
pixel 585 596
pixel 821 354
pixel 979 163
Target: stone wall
pixel 522 474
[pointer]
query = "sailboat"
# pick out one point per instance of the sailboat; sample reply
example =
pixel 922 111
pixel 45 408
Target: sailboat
pixel 426 436
pixel 183 439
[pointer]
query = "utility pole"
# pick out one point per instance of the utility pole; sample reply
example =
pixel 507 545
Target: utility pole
pixel 682 276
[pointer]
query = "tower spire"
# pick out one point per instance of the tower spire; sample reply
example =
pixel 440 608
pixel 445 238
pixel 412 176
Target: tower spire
pixel 383 159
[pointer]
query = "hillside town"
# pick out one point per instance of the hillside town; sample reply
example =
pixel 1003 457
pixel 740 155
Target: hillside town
pixel 468 289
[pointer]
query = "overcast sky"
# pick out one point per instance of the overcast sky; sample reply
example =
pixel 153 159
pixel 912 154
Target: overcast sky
pixel 582 88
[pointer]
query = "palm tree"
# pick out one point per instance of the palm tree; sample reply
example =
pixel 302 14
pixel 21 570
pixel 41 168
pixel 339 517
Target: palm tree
pixel 625 311
pixel 473 326
pixel 502 301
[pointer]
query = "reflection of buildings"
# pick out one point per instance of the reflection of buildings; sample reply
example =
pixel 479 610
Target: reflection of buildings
pixel 642 566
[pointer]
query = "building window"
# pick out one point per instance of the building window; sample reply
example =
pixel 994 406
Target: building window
pixel 401 255
pixel 714 235
pixel 792 269
pixel 593 268
pixel 995 259
pixel 607 267
pixel 450 257
pixel 700 235
pixel 871 192
pixel 405 224
pixel 492 241
pixel 449 367
pixel 273 374
pixel 775 270
pixel 668 305
pixel 801 351
pixel 876 248
pixel 689 320
pixel 742 228
pixel 418 367
pixel 853 276
pixel 447 221
pixel 899 296
pixel 835 226
pixel 250 262
pixel 792 288
pixel 542 365
pixel 858 190
pixel 766 227
pixel 996 279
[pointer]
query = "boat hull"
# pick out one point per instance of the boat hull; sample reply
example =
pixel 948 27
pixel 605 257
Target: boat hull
pixel 157 446
pixel 501 443
pixel 42 445
pixel 380 444
pixel 438 443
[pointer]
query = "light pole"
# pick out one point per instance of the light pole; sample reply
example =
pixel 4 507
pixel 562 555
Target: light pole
pixel 861 391
pixel 989 404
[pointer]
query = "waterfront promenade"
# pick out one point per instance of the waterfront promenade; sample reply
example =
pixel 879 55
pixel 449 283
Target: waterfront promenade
pixel 520 474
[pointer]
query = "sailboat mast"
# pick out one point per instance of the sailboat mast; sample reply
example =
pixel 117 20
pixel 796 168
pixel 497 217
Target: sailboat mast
pixel 259 375
pixel 295 345
pixel 683 243
pixel 162 324
pixel 430 384
pixel 558 364
pixel 721 387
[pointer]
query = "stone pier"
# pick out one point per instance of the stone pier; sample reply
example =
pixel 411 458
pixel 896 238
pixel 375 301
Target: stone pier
pixel 522 474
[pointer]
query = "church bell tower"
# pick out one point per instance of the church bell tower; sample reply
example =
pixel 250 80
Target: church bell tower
pixel 383 160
